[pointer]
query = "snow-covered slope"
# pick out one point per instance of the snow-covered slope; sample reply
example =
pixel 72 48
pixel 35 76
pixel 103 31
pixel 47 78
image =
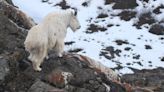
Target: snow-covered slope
pixel 106 36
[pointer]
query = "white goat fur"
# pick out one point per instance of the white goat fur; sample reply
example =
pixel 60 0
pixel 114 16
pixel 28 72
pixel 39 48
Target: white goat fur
pixel 48 35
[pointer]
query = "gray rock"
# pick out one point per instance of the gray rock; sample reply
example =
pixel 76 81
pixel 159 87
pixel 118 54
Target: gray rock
pixel 4 68
pixel 40 86
pixel 82 90
pixel 157 29
pixel 10 2
pixel 146 80
pixel 76 89
pixel 14 14
pixel 10 35
pixel 122 4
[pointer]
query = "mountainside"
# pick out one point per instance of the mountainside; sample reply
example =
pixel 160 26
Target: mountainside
pixel 73 72
pixel 121 34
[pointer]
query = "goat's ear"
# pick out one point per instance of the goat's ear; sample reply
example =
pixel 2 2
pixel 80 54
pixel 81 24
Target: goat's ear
pixel 71 11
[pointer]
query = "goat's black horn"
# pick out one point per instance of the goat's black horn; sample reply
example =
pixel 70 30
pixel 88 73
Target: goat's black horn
pixel 75 13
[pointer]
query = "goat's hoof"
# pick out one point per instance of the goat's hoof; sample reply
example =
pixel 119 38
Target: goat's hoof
pixel 47 57
pixel 38 69
pixel 29 58
pixel 60 55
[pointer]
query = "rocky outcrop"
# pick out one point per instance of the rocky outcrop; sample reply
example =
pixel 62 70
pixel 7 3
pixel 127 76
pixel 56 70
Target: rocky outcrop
pixel 10 2
pixel 4 69
pixel 71 73
pixel 122 4
pixel 17 16
pixel 157 29
pixel 146 80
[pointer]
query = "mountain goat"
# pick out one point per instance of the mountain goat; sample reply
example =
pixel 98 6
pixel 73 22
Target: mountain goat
pixel 49 34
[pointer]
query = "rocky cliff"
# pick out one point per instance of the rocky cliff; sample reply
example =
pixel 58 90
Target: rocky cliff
pixel 71 73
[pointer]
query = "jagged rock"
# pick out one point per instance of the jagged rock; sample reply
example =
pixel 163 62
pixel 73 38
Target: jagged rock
pixel 127 15
pixel 40 86
pixel 16 15
pixel 95 28
pixel 45 0
pixel 145 18
pixel 4 68
pixel 146 80
pixel 59 78
pixel 77 89
pixel 139 89
pixel 10 2
pixel 110 50
pixel 111 75
pixel 157 10
pixel 77 71
pixel 157 29
pixel 122 4
pixel 10 35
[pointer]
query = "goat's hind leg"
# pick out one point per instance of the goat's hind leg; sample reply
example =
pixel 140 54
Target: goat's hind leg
pixel 36 65
pixel 40 58
pixel 30 57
